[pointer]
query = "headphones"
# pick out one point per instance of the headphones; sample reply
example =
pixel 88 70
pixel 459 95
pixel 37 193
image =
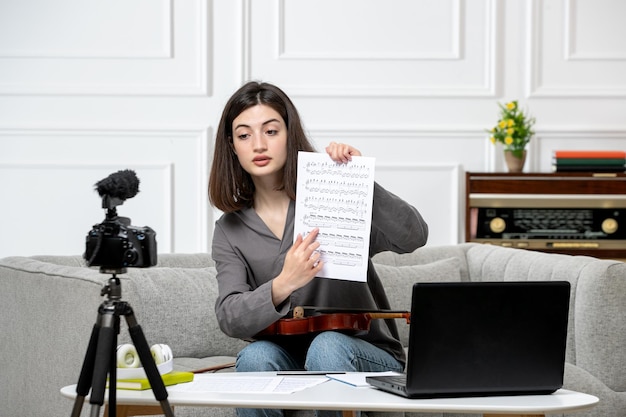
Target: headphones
pixel 127 356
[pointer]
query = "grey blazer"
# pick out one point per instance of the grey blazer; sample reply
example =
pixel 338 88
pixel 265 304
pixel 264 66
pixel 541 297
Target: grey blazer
pixel 248 256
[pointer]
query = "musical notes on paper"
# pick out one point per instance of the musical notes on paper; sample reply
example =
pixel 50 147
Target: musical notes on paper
pixel 333 170
pixel 336 205
pixel 340 187
pixel 337 199
pixel 340 240
pixel 322 221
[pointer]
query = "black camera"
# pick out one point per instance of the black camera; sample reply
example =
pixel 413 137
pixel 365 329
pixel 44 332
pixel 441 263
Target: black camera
pixel 114 244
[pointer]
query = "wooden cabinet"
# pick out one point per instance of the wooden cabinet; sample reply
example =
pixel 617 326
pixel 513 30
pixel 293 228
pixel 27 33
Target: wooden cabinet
pixel 573 213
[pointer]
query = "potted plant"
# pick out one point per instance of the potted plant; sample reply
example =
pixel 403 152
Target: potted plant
pixel 513 131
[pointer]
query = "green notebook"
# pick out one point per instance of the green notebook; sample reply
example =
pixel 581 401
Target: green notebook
pixel 171 378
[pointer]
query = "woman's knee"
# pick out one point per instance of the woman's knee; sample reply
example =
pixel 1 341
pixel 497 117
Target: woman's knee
pixel 333 351
pixel 330 351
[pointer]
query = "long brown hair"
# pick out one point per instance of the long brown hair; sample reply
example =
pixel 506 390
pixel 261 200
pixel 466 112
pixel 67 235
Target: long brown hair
pixel 230 186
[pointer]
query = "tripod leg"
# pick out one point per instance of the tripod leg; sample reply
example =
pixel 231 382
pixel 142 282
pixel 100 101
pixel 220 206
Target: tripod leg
pixel 86 373
pixel 113 374
pixel 147 361
pixel 106 342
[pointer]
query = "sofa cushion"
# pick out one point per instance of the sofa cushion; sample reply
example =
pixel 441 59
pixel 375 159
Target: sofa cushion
pixel 176 306
pixel 185 260
pixel 427 255
pixel 210 365
pixel 398 282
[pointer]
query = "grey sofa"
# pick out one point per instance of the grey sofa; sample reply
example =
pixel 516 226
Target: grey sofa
pixel 49 306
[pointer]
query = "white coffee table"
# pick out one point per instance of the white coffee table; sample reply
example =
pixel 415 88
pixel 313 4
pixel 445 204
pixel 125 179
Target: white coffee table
pixel 334 395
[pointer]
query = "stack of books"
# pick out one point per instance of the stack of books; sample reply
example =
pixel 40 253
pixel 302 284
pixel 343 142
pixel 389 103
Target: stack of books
pixel 589 161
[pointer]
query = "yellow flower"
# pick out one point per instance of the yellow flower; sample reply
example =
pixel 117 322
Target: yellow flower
pixel 513 129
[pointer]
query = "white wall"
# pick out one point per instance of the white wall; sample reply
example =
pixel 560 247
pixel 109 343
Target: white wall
pixel 90 87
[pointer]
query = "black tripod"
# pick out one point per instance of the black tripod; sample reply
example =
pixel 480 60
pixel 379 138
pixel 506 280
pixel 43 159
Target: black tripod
pixel 100 358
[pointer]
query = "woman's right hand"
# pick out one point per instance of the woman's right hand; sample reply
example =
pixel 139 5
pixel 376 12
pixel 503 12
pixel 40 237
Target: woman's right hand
pixel 302 264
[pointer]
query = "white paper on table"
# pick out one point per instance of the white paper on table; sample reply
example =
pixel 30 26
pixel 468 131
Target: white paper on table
pixel 337 198
pixel 248 384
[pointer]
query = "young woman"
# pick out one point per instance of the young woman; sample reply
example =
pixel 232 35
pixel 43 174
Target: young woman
pixel 263 272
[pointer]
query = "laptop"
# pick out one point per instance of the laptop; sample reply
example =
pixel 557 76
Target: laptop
pixel 484 339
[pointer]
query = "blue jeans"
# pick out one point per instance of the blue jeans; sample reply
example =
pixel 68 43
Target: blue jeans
pixel 329 351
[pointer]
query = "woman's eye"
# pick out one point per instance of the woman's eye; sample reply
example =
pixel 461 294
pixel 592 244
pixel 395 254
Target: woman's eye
pixel 272 132
pixel 243 136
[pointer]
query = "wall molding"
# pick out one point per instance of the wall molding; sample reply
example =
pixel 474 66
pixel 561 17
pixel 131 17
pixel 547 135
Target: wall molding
pixel 401 131
pixel 536 86
pixel 571 53
pixel 176 70
pixel 72 207
pixel 486 88
pixel 454 172
pixel 454 53
pixel 184 174
pixel 164 50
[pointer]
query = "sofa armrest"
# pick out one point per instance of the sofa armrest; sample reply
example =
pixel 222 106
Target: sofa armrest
pixel 600 322
pixel 50 305
pixel 597 328
pixel 48 312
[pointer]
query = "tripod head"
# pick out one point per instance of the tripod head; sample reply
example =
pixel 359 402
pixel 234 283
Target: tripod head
pixel 113 289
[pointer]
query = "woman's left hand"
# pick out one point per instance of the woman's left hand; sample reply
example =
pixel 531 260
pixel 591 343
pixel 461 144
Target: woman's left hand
pixel 341 152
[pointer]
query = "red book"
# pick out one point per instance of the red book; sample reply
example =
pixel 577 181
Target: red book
pixel 589 154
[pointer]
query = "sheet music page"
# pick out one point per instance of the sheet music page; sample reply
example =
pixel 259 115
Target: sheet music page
pixel 242 383
pixel 337 198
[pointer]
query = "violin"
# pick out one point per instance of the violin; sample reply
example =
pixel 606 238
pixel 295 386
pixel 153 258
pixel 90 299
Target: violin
pixel 348 321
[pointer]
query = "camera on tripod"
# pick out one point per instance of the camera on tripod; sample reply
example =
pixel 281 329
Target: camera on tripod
pixel 114 244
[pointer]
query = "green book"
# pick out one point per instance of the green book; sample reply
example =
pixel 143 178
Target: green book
pixel 589 161
pixel 171 378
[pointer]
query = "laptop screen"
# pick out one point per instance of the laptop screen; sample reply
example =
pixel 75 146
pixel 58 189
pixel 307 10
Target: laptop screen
pixel 487 337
